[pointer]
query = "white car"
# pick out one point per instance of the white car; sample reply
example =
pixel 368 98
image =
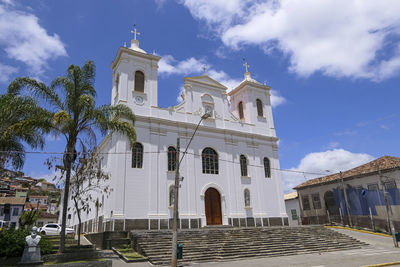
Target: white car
pixel 54 229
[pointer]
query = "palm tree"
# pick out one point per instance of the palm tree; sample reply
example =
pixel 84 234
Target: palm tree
pixel 21 120
pixel 75 115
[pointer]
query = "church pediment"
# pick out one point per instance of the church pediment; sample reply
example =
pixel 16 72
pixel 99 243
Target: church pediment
pixel 205 80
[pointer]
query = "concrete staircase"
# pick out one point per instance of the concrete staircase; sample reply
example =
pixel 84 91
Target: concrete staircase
pixel 210 245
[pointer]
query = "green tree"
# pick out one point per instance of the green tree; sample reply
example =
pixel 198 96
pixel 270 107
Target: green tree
pixel 21 120
pixel 71 100
pixel 29 217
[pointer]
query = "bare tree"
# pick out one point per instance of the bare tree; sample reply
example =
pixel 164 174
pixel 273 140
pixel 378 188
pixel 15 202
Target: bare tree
pixel 87 181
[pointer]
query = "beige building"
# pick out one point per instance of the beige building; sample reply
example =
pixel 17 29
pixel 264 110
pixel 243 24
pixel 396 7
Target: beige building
pixel 322 200
pixel 10 209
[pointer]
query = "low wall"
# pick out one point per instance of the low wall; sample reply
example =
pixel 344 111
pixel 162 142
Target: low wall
pixel 120 225
pixel 102 240
pixel 105 263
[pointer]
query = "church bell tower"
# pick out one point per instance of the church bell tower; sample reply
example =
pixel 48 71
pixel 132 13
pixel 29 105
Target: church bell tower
pixel 134 76
pixel 251 102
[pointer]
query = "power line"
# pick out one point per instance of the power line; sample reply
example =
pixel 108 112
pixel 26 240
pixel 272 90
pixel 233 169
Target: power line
pixel 154 152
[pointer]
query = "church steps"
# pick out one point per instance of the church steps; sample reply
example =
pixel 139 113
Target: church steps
pixel 228 244
pixel 245 244
pixel 241 252
pixel 259 243
pixel 234 256
pixel 154 243
pixel 258 248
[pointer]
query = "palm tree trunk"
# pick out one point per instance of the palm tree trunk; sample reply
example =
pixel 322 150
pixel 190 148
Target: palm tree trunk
pixel 78 212
pixel 67 165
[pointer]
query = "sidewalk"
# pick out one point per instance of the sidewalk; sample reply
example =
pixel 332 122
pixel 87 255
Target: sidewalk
pixel 121 263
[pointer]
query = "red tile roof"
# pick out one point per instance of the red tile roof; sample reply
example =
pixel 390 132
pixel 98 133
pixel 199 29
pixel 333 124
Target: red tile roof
pixel 385 163
pixel 13 200
pixel 30 206
pixel 48 215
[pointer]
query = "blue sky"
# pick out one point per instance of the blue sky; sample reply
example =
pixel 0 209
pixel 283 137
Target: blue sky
pixel 333 65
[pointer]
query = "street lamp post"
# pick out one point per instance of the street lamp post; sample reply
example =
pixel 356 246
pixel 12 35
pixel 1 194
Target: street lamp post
pixel 346 201
pixel 176 193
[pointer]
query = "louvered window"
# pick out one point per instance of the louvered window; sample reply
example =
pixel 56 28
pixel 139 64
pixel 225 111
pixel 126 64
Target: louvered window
pixel 139 81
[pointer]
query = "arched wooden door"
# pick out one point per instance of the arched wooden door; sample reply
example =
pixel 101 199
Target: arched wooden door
pixel 213 207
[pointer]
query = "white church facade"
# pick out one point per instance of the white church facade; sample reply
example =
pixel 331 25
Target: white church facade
pixel 230 172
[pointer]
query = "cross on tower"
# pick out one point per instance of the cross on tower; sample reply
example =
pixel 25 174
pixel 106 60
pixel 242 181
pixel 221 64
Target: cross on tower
pixel 135 32
pixel 204 68
pixel 247 66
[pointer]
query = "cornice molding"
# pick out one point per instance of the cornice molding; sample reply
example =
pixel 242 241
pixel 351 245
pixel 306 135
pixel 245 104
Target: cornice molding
pixel 131 52
pixel 196 79
pixel 181 125
pixel 252 85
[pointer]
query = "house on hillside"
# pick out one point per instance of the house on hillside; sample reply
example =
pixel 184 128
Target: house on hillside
pixel 38 199
pixel 45 218
pixel 35 206
pixel 11 208
pixel 323 199
pixel 46 186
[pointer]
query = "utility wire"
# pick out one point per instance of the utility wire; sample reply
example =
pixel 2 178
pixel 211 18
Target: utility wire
pixel 155 152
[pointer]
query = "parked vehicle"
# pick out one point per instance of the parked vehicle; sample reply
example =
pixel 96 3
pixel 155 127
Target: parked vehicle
pixel 54 229
pixel 4 225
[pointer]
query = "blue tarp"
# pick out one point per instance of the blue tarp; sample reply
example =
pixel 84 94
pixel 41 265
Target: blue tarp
pixel 360 200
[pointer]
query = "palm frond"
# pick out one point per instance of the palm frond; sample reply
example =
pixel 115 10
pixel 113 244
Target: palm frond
pixel 39 90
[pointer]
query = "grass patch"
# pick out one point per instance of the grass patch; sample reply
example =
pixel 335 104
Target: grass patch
pixel 129 253
pixel 66 262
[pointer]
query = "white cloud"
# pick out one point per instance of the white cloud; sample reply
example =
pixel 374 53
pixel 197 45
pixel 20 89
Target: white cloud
pixel 223 78
pixel 333 144
pixel 7 2
pixel 220 12
pixel 6 71
pixel 23 39
pixel 323 163
pixel 160 4
pixel 169 65
pixel 276 99
pixel 339 38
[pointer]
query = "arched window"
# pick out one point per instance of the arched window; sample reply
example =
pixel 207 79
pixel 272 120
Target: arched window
pixel 243 165
pixel 260 112
pixel 137 155
pixel 171 196
pixel 139 81
pixel 240 107
pixel 171 158
pixel 267 168
pixel 247 201
pixel 210 161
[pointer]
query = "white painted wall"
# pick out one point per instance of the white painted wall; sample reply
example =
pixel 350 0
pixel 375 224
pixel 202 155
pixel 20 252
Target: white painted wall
pixel 293 204
pixel 143 193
